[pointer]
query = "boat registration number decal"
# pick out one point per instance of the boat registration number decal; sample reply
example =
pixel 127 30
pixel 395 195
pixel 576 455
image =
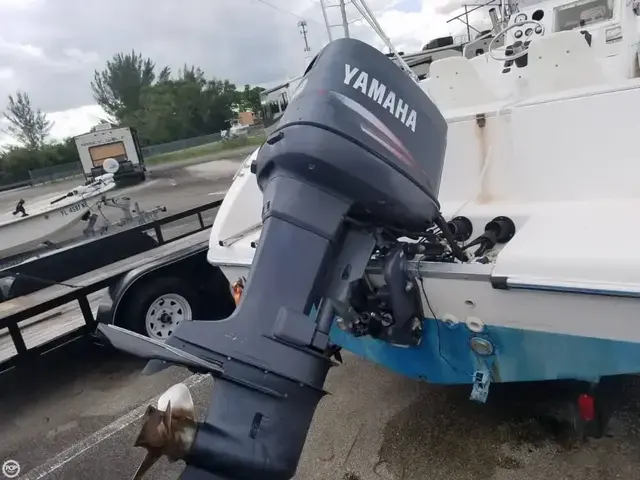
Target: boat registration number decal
pixel 73 208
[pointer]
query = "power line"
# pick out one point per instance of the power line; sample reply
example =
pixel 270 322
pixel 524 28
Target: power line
pixel 278 8
pixel 282 10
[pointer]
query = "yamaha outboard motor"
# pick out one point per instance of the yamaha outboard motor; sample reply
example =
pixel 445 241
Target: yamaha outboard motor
pixel 354 164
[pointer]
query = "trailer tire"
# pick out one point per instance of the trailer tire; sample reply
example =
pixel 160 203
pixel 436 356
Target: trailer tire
pixel 156 307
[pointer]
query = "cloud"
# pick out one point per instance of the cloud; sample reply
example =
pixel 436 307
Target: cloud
pixel 6 73
pixel 76 121
pixel 447 8
pixel 79 57
pixel 50 49
pixel 9 5
pixel 20 50
pixel 66 123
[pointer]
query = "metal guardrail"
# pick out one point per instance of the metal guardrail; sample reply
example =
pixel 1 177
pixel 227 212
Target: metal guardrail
pixel 11 186
pixel 55 172
pixel 26 307
pixel 9 181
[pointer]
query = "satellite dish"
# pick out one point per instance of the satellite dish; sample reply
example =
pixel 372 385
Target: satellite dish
pixel 110 165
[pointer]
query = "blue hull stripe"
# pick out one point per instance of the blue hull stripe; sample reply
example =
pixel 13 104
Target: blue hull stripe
pixel 445 356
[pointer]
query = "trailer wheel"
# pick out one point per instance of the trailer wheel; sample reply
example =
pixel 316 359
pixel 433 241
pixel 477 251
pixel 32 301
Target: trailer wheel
pixel 157 307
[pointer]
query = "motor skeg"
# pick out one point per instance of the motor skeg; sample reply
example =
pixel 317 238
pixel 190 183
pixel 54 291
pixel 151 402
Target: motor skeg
pixel 360 127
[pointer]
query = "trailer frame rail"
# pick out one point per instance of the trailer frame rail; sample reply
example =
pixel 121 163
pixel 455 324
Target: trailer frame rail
pixel 78 289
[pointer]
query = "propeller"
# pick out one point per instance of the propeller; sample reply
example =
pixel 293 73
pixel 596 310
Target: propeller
pixel 168 429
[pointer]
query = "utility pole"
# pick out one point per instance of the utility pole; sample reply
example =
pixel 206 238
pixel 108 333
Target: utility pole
pixel 307 49
pixel 345 23
pixel 303 30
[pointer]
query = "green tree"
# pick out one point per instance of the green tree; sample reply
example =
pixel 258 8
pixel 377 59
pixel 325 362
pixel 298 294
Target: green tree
pixel 250 99
pixel 27 124
pixel 183 107
pixel 169 107
pixel 119 86
pixel 221 96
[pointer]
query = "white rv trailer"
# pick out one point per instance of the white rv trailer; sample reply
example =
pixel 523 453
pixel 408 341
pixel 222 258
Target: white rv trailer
pixel 105 141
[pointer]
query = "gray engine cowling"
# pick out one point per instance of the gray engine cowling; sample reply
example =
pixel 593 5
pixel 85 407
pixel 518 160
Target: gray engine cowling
pixel 361 128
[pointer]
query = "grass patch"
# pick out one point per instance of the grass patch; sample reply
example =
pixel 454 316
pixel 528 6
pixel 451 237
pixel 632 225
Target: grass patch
pixel 205 150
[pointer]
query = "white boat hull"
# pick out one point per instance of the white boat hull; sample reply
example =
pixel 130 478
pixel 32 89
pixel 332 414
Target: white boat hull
pixel 27 234
pixel 553 147
pixel 536 335
pixel 550 309
pixel 19 233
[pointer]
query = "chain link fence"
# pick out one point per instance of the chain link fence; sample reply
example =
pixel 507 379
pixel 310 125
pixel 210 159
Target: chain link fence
pixel 154 150
pixel 59 172
pixel 9 182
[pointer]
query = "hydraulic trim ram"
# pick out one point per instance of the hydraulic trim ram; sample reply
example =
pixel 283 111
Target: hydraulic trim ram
pixel 354 164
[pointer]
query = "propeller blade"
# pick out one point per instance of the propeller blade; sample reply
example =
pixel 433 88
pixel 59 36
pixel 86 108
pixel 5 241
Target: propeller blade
pixel 168 429
pixel 180 399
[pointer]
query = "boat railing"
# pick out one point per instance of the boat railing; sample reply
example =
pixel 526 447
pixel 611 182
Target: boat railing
pixel 473 7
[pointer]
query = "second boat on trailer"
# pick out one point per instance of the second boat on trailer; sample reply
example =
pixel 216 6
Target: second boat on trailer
pixel 31 223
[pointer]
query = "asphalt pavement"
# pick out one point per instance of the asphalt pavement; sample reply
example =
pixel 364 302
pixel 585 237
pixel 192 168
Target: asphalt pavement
pixel 77 417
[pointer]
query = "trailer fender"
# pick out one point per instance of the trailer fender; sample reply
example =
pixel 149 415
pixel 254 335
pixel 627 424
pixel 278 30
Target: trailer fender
pixel 200 279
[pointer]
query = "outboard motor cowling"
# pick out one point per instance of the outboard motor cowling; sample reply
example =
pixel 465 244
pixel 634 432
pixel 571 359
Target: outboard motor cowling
pixel 360 127
pixel 354 163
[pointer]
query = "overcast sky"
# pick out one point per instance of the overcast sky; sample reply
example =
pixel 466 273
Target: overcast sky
pixel 50 48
